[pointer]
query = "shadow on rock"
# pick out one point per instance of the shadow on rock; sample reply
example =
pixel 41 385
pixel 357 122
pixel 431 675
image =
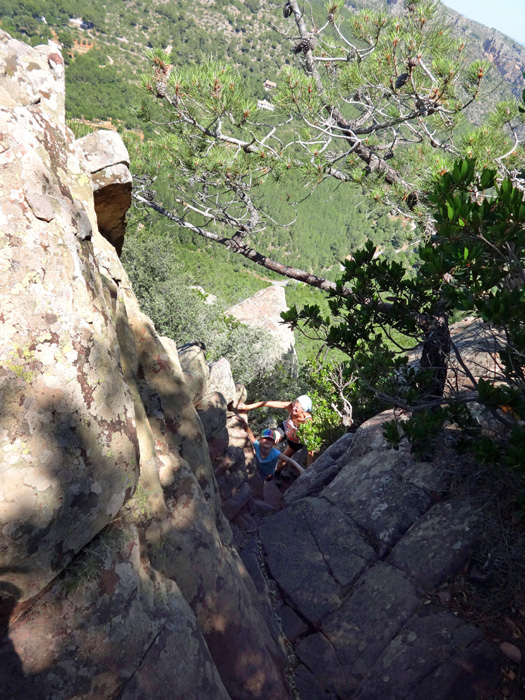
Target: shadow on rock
pixel 14 683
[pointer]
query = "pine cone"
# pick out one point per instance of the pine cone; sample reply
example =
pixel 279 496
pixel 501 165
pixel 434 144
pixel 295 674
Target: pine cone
pixel 306 44
pixel 422 107
pixel 401 80
pixel 161 89
pixel 287 10
pixel 412 200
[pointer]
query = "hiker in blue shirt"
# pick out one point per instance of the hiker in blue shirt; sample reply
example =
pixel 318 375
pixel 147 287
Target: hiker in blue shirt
pixel 266 453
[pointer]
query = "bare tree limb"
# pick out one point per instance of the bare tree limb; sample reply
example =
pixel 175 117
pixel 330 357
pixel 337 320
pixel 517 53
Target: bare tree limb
pixel 237 245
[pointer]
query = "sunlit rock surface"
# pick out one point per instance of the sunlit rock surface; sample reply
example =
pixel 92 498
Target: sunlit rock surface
pixel 67 434
pixel 365 540
pixel 108 163
pixel 263 310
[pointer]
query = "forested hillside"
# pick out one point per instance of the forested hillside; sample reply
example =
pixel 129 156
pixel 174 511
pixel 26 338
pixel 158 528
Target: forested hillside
pixel 103 83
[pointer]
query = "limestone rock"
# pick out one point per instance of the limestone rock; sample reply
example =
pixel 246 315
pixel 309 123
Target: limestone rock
pixel 432 646
pixel 369 633
pixel 321 473
pixel 377 498
pixel 181 429
pixel 118 575
pixel 103 149
pixel 314 553
pixel 293 626
pixel 437 546
pixel 319 657
pixel 32 77
pixel 236 502
pixel 220 379
pixel 137 635
pixel 212 412
pixel 234 488
pixel 170 347
pixel 507 60
pixel 251 560
pixel 371 616
pixel 308 687
pixel 98 427
pixel 67 429
pixel 478 345
pixel 369 437
pixel 239 439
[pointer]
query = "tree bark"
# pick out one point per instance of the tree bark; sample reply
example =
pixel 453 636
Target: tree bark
pixel 238 245
pixel 435 352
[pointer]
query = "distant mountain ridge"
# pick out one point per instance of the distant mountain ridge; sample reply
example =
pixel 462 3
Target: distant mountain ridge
pixel 507 55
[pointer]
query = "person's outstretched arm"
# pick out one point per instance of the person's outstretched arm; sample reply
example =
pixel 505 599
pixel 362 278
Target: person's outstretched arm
pixel 260 404
pixel 246 427
pixel 291 462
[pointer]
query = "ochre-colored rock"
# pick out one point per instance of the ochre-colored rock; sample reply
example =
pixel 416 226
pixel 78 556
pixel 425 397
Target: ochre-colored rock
pixel 192 358
pixel 263 310
pixel 109 623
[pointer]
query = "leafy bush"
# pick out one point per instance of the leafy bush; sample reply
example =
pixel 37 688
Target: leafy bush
pixel 475 265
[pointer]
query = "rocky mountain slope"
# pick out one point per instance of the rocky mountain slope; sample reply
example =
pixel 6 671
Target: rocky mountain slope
pixel 128 489
pixel 507 55
pixel 114 549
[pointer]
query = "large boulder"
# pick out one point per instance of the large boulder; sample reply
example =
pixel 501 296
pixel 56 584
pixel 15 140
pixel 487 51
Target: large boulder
pixel 128 643
pixel 220 379
pixel 263 310
pixel 192 358
pixel 108 162
pixel 322 472
pixel 67 424
pixel 478 345
pixel 367 537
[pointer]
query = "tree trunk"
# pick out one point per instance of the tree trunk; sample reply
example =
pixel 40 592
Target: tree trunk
pixel 436 349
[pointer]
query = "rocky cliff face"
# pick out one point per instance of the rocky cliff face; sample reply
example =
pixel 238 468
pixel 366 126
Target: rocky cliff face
pixel 506 55
pixel 125 482
pixel 117 574
pixel 508 59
